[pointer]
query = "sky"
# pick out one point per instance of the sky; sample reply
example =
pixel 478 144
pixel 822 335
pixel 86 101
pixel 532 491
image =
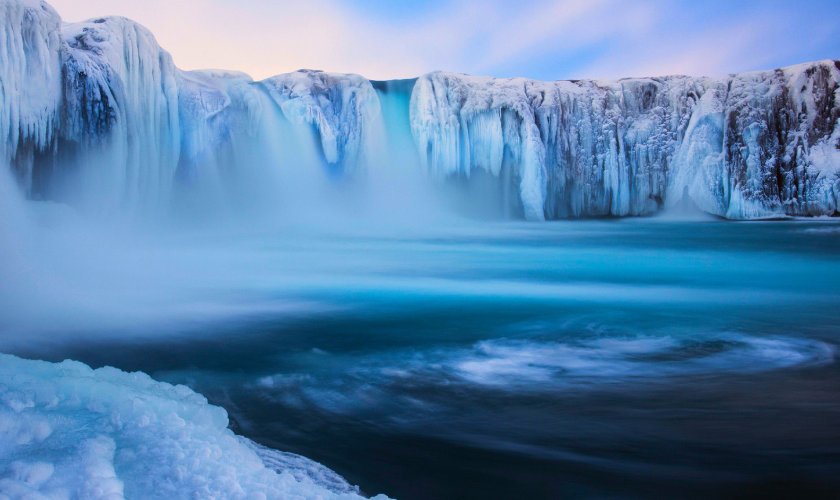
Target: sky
pixel 543 39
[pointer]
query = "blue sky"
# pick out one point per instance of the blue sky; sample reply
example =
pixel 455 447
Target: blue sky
pixel 545 39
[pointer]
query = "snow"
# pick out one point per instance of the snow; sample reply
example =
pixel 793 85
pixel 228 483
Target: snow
pixel 97 115
pixel 68 431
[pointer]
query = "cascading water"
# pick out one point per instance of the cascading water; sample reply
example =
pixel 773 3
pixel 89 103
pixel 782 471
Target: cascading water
pixel 395 100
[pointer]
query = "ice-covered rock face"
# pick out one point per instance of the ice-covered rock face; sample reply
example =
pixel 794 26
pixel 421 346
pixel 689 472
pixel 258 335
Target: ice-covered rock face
pixel 747 146
pixel 782 141
pixel 463 123
pixel 30 82
pixel 121 93
pixel 572 148
pixel 343 109
pixel 67 431
pixel 97 113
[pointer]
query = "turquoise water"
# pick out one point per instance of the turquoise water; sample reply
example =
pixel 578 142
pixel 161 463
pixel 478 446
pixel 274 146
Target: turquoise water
pixel 618 357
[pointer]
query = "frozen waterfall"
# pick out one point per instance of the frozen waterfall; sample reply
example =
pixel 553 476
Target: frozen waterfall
pixel 95 114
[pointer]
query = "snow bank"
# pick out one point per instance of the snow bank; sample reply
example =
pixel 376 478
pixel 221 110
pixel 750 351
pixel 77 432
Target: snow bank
pixel 68 431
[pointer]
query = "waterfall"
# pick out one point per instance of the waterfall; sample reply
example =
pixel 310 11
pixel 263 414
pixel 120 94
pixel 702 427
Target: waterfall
pixel 96 115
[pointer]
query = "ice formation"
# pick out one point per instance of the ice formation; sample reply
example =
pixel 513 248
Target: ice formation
pixel 30 81
pixel 97 113
pixel 68 431
pixel 751 145
pixel 343 109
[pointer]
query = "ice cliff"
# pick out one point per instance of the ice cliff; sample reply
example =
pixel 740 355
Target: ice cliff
pixel 96 113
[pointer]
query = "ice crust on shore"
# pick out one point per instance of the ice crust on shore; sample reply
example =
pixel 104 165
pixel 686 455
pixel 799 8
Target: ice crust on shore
pixel 69 431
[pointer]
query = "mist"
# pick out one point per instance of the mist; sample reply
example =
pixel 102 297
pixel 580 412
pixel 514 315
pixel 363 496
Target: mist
pixel 73 270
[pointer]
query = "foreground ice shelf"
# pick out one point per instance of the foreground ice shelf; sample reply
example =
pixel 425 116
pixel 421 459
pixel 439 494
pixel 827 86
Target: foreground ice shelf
pixel 68 431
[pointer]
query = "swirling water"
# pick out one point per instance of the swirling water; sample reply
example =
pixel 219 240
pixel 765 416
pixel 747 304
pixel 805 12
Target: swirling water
pixel 495 360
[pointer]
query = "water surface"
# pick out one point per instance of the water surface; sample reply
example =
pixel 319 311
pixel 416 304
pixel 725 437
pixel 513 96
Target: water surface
pixel 585 358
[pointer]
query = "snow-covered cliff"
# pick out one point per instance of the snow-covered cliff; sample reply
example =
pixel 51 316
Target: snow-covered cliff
pixel 97 113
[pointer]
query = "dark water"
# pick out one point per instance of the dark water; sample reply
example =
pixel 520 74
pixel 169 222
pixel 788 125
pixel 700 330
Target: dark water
pixel 604 358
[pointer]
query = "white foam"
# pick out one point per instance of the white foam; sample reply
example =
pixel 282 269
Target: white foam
pixel 410 388
pixel 518 363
